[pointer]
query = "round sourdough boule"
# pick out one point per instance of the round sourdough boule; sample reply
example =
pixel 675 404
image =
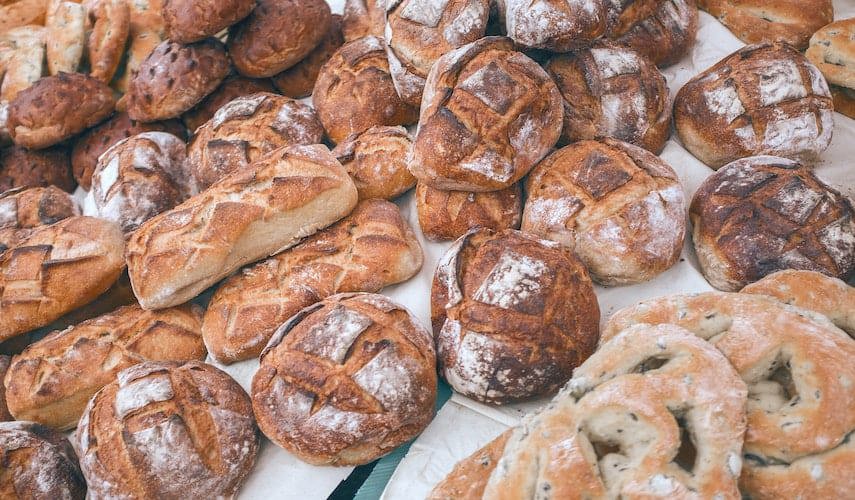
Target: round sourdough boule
pixel 513 315
pixel 24 168
pixel 277 35
pixel 612 91
pixel 762 99
pixel 661 30
pixel 354 91
pixel 448 215
pixel 618 207
pixel 167 430
pixel 174 78
pixel 363 18
pixel 556 25
pixel 92 144
pixel 56 108
pixel 763 214
pixel 188 21
pixel 247 128
pixel 489 114
pixel 38 463
pixel 418 32
pixel 232 87
pixel 346 381
pixel 377 161
pixel 299 80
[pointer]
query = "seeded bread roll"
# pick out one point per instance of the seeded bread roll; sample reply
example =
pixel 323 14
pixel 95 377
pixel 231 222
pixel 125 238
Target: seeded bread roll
pixel 377 161
pixel 246 129
pixel 363 18
pixel 65 34
pixel 24 168
pixel 448 215
pixel 762 99
pixel 189 21
pixel 832 49
pixel 661 30
pixel 299 80
pixel 22 210
pixel 22 13
pixel 556 25
pixel 355 92
pixel 25 62
pixel 147 30
pixel 378 387
pixel 111 27
pixel 167 430
pixel 232 87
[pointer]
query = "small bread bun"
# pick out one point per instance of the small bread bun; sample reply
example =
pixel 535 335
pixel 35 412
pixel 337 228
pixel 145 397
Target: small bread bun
pixel 298 81
pixel 363 18
pixel 377 161
pixel 232 87
pixel 661 31
pixel 24 168
pixel 448 215
pixel 790 21
pixel 189 21
pixel 38 463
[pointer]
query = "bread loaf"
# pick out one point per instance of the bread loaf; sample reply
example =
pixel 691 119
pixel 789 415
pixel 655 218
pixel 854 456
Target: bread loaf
pixel 299 80
pixel 251 214
pixel 755 21
pixel 371 248
pixel 25 64
pixel 5 137
pixel 377 161
pixel 5 416
pixel 66 37
pixel 448 215
pixel 24 168
pixel 661 30
pixel 147 30
pixel 110 30
pixel 556 25
pixel 832 50
pixel 363 18
pixel 22 13
pixel 844 100
pixel 189 21
pixel 23 210
pixel 57 269
pixel 346 381
pixel 232 87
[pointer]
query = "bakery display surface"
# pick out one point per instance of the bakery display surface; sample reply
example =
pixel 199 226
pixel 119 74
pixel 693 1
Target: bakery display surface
pixel 427 249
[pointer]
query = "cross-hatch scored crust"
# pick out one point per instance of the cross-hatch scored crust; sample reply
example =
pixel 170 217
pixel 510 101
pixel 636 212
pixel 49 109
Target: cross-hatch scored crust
pixel 663 35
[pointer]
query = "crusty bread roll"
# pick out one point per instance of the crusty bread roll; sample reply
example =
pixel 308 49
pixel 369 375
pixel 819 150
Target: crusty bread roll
pixel 378 385
pixel 25 168
pixel 22 13
pixel 299 80
pixel 448 215
pixel 147 31
pixel 25 64
pixel 377 161
pixel 249 215
pixel 832 49
pixel 660 30
pixel 23 210
pixel 189 21
pixel 51 381
pixel 232 87
pixel 755 21
pixel 167 430
pixel 844 100
pixel 363 18
pixel 371 248
pixel 246 129
pixel 58 268
pixel 556 25
pixel 38 463
pixel 110 29
pixel 612 91
pixel 65 35
pixel 513 315
pixel 763 214
pixel 762 99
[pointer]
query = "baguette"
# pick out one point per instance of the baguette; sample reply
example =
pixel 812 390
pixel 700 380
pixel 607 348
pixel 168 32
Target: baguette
pixel 249 215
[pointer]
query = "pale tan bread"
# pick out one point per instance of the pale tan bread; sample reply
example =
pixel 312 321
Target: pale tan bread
pixel 755 21
pixel 146 32
pixel 377 161
pixel 249 215
pixel 233 86
pixel 138 178
pixel 22 210
pixel 371 248
pixel 5 416
pixel 811 290
pixel 51 381
pixel 247 128
pixel 167 430
pixel 341 96
pixel 66 37
pixel 418 32
pixel 448 215
pixel 189 21
pixel 612 91
pixel 557 25
pixel 22 13
pixel 762 99
pixel 619 427
pixel 38 463
pixel 661 30
pixel 298 81
pixel 764 214
pixel 801 395
pixel 489 114
pixel 25 168
pixel 377 387
pixel 58 268
pixel 111 27
pixel 25 64
pixel 618 207
pixel 363 18
pixel 832 49
pixel 513 315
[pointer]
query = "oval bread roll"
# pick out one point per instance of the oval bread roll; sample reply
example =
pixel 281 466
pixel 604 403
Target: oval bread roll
pixel 22 210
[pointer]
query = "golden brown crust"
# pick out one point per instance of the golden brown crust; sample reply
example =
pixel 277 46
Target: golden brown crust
pixel 232 87
pixel 469 477
pixel 22 13
pixel 844 100
pixel 661 30
pixel 762 99
pixel 146 32
pixel 363 18
pixel 371 248
pixel 22 210
pixel 832 49
pixel 189 21
pixel 167 430
pixel 764 214
pixel 512 315
pixel 557 26
pixel 5 416
pixel 277 35
pixel 448 215
pixel 24 168
pixel 299 80
pixel 346 381
pixel 489 114
pixel 111 26
pixel 377 161
pixel 57 108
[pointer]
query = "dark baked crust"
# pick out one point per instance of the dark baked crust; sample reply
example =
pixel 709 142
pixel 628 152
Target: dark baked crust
pixel 377 162
pixel 22 210
pixel 844 100
pixel 661 30
pixel 232 87
pixel 277 35
pixel 26 168
pixel 448 215
pixel 58 107
pixel 5 416
pixel 38 463
pixel 299 80
pixel 189 21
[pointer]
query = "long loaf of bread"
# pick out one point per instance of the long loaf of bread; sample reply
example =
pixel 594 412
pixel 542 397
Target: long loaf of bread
pixel 249 215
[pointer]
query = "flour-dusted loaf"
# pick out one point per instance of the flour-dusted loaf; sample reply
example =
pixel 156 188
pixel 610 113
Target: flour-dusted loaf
pixel 363 18
pixel 418 32
pixel 346 381
pixel 25 168
pixel 763 214
pixel 232 87
pixel 51 381
pixel 23 210
pixel 299 80
pixel 249 215
pixel 762 99
pixel 189 21
pixel 448 215
pixel 38 463
pixel 513 315
pixel 662 30
pixel 58 268
pixel 612 91
pixel 832 49
pixel 110 30
pixel 557 25
pixel 619 208
pixel 489 114
pixel 377 161
pixel 246 129
pixel 371 248
pixel 167 430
